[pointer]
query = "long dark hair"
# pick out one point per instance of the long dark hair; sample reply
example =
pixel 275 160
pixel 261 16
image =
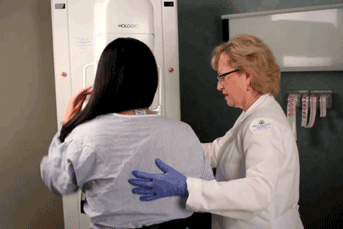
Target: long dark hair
pixel 126 79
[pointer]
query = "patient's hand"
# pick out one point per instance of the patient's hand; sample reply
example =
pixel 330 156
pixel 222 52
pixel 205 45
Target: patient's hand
pixel 75 104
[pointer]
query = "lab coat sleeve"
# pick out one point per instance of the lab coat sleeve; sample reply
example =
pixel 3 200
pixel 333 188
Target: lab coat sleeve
pixel 64 162
pixel 211 151
pixel 242 198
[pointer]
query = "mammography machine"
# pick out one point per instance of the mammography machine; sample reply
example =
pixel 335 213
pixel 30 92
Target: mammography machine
pixel 83 28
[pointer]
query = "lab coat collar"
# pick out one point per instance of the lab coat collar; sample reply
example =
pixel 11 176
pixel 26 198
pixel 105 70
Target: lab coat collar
pixel 260 101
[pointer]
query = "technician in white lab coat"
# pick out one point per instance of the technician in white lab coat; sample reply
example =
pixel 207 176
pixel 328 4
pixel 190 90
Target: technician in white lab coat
pixel 257 178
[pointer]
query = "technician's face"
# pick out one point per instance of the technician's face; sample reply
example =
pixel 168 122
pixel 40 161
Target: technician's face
pixel 232 85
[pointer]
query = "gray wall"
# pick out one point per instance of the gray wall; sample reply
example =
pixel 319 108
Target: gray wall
pixel 28 115
pixel 28 120
pixel 204 108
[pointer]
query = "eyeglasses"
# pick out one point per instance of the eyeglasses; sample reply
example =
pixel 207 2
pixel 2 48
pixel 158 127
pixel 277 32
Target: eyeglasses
pixel 221 77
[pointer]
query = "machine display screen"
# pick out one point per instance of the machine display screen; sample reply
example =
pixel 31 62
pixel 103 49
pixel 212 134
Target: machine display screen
pixel 168 4
pixel 60 6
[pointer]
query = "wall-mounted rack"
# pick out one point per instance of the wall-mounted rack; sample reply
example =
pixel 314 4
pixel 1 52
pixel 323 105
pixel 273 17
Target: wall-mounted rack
pixel 328 93
pixel 309 101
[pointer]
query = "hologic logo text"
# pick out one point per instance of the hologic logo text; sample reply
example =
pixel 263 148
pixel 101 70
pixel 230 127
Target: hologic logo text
pixel 128 26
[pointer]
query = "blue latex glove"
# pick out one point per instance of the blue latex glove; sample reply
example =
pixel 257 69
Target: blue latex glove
pixel 156 186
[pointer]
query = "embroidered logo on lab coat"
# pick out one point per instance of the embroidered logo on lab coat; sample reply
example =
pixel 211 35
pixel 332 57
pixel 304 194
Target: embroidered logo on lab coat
pixel 259 125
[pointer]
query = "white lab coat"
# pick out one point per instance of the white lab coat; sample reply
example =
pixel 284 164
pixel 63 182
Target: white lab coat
pixel 257 178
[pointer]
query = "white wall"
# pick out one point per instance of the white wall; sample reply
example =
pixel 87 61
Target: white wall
pixel 28 115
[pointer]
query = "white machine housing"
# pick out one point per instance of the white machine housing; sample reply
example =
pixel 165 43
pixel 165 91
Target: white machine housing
pixel 115 19
pixel 82 29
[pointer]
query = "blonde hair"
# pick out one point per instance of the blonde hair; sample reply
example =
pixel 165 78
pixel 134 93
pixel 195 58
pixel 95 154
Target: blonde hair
pixel 250 54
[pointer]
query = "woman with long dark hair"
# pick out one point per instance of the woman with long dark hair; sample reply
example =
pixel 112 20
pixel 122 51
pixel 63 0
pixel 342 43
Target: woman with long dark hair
pixel 98 147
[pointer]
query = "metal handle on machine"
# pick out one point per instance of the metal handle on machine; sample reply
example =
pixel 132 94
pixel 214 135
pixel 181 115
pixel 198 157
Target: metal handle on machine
pixel 84 73
pixel 82 202
pixel 159 106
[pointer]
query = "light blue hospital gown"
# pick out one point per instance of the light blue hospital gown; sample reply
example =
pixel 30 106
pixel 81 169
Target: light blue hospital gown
pixel 99 156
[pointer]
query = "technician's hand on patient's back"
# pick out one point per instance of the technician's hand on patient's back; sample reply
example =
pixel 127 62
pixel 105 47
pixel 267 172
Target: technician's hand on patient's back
pixel 156 186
